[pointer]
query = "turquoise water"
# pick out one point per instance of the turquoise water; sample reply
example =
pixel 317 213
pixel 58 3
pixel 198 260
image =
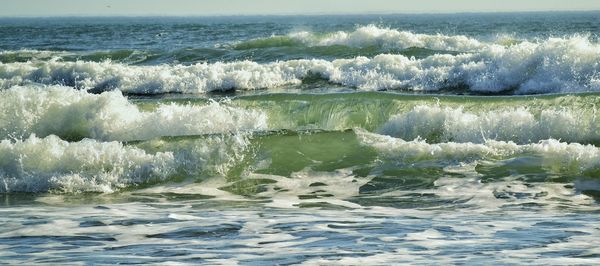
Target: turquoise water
pixel 324 140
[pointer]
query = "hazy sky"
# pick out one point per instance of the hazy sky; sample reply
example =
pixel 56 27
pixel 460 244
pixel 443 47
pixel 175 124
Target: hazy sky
pixel 267 7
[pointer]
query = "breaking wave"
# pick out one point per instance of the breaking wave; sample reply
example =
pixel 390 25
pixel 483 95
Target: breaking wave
pixel 366 36
pixel 73 115
pixel 521 125
pixel 53 165
pixel 557 156
pixel 47 164
pixel 553 65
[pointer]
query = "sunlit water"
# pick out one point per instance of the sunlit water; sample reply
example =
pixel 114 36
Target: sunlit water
pixel 372 140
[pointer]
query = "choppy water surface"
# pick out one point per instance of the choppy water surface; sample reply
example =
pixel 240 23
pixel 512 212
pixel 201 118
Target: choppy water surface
pixel 414 139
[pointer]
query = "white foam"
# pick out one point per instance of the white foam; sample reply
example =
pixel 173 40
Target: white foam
pixel 553 65
pixel 212 155
pixel 44 164
pixel 51 164
pixel 198 78
pixel 336 188
pixel 33 54
pixel 522 125
pixel 372 35
pixel 557 156
pixel 110 116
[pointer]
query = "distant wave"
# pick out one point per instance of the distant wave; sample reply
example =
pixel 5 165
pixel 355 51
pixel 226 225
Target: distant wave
pixel 554 65
pixel 122 56
pixel 366 36
pixel 363 41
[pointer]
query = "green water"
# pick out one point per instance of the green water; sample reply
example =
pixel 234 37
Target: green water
pixel 301 140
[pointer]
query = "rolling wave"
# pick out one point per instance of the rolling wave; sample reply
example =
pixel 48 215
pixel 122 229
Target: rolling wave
pixel 570 118
pixel 366 36
pixel 74 115
pixel 278 134
pixel 122 56
pixel 47 164
pixel 554 65
pixel 521 125
pixel 556 156
pixel 53 165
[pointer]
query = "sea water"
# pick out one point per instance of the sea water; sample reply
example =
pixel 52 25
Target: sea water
pixel 336 140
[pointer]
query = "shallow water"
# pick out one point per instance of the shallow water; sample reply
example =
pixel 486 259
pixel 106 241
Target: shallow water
pixel 398 139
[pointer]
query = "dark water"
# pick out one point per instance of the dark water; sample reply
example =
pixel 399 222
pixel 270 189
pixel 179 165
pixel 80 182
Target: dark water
pixel 317 140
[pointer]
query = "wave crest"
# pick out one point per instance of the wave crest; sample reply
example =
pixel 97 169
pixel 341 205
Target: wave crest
pixel 555 65
pixel 74 115
pixel 47 164
pixel 521 125
pixel 557 156
pixel 367 36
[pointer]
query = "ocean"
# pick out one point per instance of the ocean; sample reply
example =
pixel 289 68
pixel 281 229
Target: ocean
pixel 301 140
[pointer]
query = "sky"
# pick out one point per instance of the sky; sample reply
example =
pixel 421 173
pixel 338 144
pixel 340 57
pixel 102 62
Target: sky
pixel 10 8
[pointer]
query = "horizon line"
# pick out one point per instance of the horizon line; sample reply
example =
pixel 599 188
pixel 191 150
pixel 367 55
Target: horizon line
pixel 298 14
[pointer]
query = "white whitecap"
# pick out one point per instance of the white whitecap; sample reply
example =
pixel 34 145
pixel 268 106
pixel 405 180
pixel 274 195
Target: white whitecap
pixel 74 114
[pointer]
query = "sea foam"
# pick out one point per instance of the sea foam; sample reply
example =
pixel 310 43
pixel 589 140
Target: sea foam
pixel 557 156
pixel 372 35
pixel 51 164
pixel 521 125
pixel 367 36
pixel 73 114
pixel 552 65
